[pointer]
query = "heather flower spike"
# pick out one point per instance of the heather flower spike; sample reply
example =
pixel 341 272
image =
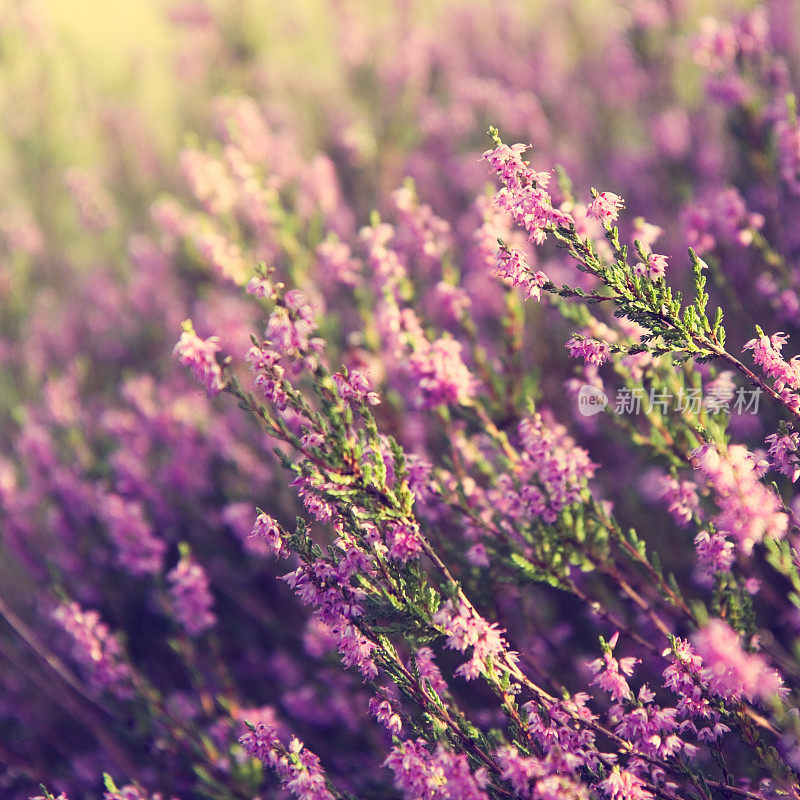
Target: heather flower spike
pixel 200 356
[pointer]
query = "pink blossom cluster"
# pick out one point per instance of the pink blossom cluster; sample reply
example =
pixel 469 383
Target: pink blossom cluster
pixel 552 473
pixel 610 673
pixel 568 746
pixel 655 267
pixel 464 629
pixel 783 453
pixel 785 374
pixel 267 530
pixel 297 767
pixel 715 553
pixel 591 351
pixel 731 672
pixel 524 195
pixel 687 678
pixel 423 775
pixel 140 550
pixel 290 326
pixel 512 264
pixel 355 386
pixel 606 207
pixel 531 777
pixel 441 375
pixel 270 374
pixel 680 497
pixel 199 355
pixel 748 511
pixel 384 712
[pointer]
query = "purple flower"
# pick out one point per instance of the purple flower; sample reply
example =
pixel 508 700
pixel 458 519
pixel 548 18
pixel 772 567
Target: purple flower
pixel 714 553
pixel 655 268
pixel 403 540
pixel 139 550
pixel 355 387
pixel 267 530
pixel 464 628
pixel 200 356
pixel 511 264
pixel 96 648
pixel 423 775
pixel 441 375
pixel 289 327
pixel 382 710
pixel 298 769
pixel 610 673
pixel 680 497
pixel 190 596
pixel 748 510
pixel 783 454
pixel 259 287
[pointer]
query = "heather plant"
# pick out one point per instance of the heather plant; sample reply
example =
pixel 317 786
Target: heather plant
pixel 408 546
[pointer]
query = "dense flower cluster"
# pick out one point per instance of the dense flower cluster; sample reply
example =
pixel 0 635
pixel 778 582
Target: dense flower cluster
pixel 748 510
pixel 430 776
pixel 590 350
pixel 368 538
pixel 733 673
pixel 298 768
pixel 464 629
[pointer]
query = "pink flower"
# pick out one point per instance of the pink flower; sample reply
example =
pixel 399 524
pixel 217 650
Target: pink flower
pixel 714 553
pixel 290 326
pixel 259 287
pixel 783 454
pixel 441 375
pixel 624 785
pixel 268 531
pixel 403 540
pixel 748 510
pixel 464 628
pixel 297 767
pixel 657 265
pixel 605 207
pixel 423 775
pixel 512 264
pixel 680 497
pixel 96 648
pixel 767 354
pixel 733 672
pixel 507 163
pixel 355 386
pixel 524 195
pixel 200 356
pixel 382 710
pixel 592 351
pixel 610 673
